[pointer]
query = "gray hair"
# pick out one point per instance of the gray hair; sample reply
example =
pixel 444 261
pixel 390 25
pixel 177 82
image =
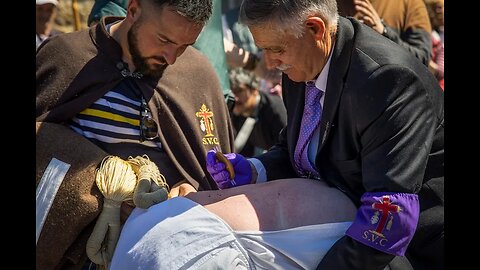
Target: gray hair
pixel 239 76
pixel 197 11
pixel 287 15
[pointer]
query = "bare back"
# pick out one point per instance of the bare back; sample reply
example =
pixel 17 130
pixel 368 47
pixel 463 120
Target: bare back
pixel 277 205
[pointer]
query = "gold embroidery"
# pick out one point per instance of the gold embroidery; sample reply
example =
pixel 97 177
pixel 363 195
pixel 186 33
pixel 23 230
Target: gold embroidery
pixel 207 125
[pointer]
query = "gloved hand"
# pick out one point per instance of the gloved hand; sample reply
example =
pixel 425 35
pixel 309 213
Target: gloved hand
pixel 219 173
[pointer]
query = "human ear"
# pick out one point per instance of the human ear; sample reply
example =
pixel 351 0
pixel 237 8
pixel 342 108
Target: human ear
pixel 133 10
pixel 316 26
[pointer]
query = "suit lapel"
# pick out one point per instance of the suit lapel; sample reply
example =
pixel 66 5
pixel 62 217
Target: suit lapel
pixel 296 96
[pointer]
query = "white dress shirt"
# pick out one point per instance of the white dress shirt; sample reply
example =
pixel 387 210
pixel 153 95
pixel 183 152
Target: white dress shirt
pixel 320 83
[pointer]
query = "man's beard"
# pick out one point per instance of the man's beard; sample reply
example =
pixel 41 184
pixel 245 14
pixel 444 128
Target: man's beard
pixel 140 62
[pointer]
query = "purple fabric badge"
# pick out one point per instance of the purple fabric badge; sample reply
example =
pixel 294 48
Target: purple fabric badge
pixel 386 221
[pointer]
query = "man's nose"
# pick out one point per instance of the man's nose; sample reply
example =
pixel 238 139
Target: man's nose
pixel 270 61
pixel 170 55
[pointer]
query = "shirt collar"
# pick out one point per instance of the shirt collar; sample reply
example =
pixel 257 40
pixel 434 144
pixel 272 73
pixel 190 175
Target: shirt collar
pixel 321 81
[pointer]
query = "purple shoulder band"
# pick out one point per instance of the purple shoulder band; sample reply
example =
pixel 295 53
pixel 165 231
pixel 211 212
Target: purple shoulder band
pixel 386 221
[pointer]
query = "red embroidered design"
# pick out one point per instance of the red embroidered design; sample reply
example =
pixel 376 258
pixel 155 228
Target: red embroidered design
pixel 385 207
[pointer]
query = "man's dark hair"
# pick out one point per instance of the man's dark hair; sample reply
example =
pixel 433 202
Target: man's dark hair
pixel 239 76
pixel 198 11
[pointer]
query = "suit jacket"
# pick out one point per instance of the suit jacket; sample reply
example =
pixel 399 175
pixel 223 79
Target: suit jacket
pixel 271 117
pixel 381 129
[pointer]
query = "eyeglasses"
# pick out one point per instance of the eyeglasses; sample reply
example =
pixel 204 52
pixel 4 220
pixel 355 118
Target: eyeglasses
pixel 148 126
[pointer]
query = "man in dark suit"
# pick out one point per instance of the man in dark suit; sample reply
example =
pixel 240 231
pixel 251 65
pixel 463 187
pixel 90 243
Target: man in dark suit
pixel 257 117
pixel 380 137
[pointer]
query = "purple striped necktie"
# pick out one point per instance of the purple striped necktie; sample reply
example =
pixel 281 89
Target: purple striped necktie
pixel 312 113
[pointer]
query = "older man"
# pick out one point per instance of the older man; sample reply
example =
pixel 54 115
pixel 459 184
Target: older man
pixel 365 116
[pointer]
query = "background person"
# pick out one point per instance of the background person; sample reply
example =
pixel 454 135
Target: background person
pixel 45 14
pixel 257 117
pixel 435 11
pixel 241 51
pixel 404 22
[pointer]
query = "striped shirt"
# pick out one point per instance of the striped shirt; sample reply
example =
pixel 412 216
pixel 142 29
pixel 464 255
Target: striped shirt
pixel 114 118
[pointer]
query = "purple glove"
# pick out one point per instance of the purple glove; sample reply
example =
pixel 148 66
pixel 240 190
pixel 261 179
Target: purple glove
pixel 219 173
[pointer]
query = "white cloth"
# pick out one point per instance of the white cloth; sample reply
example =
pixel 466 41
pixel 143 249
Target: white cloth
pixel 295 248
pixel 181 234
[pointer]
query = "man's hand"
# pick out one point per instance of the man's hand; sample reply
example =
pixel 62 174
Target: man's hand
pixel 219 173
pixel 181 189
pixel 367 14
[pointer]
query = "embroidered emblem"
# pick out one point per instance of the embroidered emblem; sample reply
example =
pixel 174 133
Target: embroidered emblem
pixel 385 207
pixel 386 221
pixel 206 125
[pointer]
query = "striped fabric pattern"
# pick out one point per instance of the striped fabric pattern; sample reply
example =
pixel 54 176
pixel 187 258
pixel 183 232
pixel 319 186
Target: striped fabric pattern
pixel 114 118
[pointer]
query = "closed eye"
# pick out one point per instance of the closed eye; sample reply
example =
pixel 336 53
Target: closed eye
pixel 163 41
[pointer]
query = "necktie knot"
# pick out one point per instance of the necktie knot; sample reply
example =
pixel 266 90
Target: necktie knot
pixel 312 94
